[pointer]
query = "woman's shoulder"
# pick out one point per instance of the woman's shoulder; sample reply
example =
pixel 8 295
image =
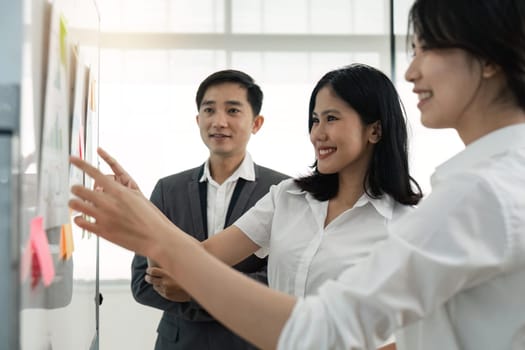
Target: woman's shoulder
pixel 400 209
pixel 289 185
pixel 286 188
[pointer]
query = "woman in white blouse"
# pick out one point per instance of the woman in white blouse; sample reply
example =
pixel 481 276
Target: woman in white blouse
pixel 315 227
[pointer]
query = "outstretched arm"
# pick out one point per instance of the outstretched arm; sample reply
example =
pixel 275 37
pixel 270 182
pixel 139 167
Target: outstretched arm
pixel 125 217
pixel 230 246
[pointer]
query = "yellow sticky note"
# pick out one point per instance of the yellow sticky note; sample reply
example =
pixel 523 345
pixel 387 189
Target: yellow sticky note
pixel 63 42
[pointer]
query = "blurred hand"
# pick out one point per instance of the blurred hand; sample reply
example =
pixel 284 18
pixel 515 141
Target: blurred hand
pixel 165 285
pixel 122 214
pixel 119 174
pixel 391 346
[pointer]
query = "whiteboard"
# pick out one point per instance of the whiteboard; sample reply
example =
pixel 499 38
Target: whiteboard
pixel 59 311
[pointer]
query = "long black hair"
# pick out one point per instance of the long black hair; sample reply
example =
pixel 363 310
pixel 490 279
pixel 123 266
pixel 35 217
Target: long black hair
pixel 373 96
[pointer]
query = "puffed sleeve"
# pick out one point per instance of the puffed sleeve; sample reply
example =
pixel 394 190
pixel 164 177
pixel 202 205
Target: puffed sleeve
pixel 257 222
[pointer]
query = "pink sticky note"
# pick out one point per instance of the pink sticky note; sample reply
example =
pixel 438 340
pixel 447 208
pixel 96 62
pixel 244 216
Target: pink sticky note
pixel 40 246
pixel 36 272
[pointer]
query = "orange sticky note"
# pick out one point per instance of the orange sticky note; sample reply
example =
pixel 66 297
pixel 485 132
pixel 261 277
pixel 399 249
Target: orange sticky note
pixel 42 254
pixel 66 242
pixel 63 253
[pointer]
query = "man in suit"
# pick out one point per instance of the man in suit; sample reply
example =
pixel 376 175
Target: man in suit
pixel 204 200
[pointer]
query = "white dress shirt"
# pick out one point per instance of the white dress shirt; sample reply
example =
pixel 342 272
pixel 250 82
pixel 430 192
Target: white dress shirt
pixel 219 196
pixel 289 224
pixel 452 272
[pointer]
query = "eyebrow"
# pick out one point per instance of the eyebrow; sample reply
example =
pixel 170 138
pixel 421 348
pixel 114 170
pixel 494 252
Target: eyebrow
pixel 328 111
pixel 229 102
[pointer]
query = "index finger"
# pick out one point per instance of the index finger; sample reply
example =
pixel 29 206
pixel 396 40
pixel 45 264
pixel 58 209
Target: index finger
pixel 94 173
pixel 118 170
pixel 152 279
pixel 155 272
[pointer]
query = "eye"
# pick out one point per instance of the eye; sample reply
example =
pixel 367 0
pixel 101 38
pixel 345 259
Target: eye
pixel 420 46
pixel 331 118
pixel 423 45
pixel 233 110
pixel 412 50
pixel 207 110
pixel 315 120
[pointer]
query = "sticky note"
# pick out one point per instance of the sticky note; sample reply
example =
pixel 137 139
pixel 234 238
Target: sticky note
pixel 41 253
pixel 63 42
pixel 66 242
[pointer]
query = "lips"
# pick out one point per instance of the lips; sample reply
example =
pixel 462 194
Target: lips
pixel 325 151
pixel 219 136
pixel 424 95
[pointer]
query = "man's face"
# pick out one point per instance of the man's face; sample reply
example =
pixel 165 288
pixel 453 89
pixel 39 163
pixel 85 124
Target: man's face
pixel 226 120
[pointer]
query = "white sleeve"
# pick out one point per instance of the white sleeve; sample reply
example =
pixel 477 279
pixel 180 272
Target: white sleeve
pixel 256 223
pixel 444 246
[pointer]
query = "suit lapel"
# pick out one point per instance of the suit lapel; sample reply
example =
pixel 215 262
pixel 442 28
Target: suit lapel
pixel 242 201
pixel 197 199
pixel 240 205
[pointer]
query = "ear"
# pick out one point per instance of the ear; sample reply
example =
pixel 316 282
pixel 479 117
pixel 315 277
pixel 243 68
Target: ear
pixel 489 69
pixel 197 119
pixel 258 121
pixel 375 132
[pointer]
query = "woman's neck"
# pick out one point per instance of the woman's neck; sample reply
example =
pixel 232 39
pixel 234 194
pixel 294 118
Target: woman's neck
pixel 492 118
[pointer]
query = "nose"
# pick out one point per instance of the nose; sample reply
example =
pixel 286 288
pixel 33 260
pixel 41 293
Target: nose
pixel 412 72
pixel 220 120
pixel 318 133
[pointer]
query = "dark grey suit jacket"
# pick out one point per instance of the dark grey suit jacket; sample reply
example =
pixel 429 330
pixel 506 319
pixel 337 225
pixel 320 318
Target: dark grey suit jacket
pixel 182 199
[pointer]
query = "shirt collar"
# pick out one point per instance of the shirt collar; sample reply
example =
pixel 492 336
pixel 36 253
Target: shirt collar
pixel 384 205
pixel 496 142
pixel 245 170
